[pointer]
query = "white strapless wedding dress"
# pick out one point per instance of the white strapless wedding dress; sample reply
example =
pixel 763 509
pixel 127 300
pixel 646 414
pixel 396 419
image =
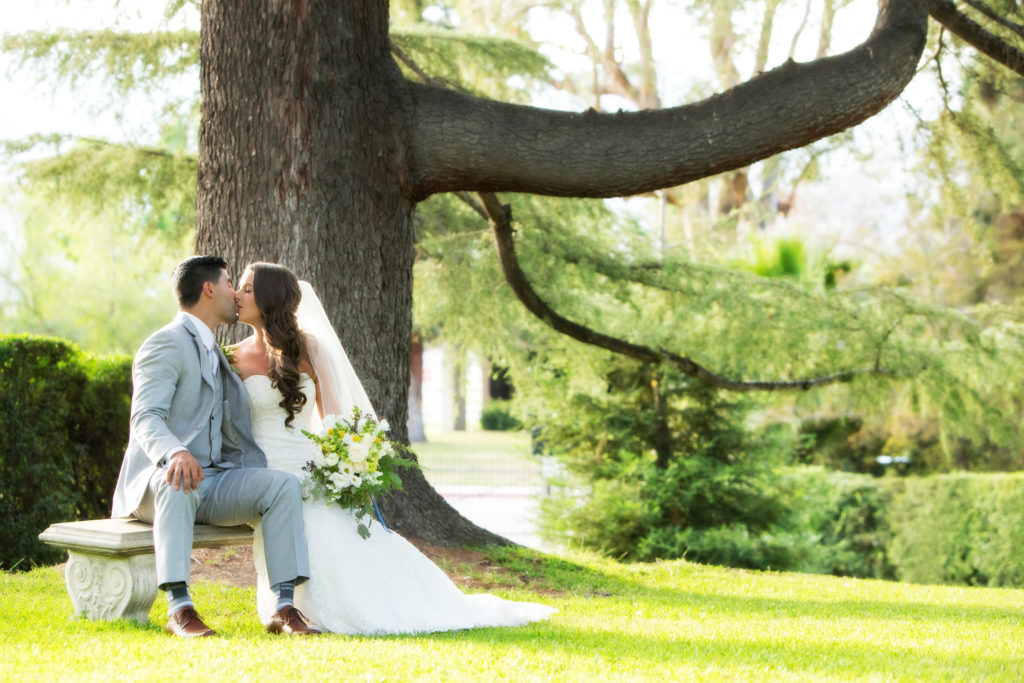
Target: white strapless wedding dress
pixel 378 585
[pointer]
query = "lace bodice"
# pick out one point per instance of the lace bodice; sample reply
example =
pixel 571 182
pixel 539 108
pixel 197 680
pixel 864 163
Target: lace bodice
pixel 287 448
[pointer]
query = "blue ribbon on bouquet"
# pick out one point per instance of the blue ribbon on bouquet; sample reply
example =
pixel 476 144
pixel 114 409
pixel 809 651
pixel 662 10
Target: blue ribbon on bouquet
pixel 380 517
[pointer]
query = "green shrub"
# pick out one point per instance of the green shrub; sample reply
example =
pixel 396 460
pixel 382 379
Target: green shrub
pixel 669 469
pixel 846 519
pixel 950 528
pixel 497 417
pixel 960 528
pixel 64 419
pixel 100 425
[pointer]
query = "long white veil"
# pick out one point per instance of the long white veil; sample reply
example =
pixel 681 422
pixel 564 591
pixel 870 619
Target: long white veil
pixel 340 388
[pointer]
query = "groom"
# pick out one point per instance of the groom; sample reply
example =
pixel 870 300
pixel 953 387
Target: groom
pixel 191 456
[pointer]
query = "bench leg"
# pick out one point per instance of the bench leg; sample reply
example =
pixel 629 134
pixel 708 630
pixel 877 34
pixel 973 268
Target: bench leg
pixel 104 588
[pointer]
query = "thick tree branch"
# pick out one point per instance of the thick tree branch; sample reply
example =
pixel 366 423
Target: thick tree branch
pixel 996 17
pixel 500 217
pixel 466 143
pixel 946 13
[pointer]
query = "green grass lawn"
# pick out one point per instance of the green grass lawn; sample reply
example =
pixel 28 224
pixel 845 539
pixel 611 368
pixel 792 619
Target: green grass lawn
pixel 478 458
pixel 663 621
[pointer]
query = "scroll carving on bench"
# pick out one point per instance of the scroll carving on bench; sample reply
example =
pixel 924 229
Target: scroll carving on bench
pixel 111 570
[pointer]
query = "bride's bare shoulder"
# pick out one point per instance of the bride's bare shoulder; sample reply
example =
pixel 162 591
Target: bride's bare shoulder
pixel 307 367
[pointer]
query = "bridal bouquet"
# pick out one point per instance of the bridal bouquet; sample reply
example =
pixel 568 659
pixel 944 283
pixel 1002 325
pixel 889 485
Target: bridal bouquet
pixel 356 461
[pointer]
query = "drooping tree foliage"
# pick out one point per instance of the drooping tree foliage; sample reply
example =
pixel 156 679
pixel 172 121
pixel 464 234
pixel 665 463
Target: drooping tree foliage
pixel 711 323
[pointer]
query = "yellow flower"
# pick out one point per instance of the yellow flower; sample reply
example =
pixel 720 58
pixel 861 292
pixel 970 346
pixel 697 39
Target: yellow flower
pixel 357 438
pixel 377 440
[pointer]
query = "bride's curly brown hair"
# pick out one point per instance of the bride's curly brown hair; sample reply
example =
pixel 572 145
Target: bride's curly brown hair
pixel 277 293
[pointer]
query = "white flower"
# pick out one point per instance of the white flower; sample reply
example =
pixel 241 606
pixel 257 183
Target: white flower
pixel 331 459
pixel 337 482
pixel 359 451
pixel 383 425
pixel 342 480
pixel 360 465
pixel 330 422
pixel 319 459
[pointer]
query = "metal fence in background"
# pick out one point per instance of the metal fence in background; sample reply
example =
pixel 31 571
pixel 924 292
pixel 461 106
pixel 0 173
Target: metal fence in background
pixel 490 478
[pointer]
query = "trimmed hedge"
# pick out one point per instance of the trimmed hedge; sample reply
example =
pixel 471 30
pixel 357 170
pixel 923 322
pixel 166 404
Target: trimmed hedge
pixel 64 426
pixel 497 417
pixel 965 528
pixel 960 528
pixel 850 520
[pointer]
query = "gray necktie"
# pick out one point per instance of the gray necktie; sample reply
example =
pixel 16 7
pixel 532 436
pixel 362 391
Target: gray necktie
pixel 214 361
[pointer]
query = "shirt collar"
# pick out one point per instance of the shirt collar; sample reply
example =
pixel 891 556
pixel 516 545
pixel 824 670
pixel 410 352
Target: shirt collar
pixel 205 333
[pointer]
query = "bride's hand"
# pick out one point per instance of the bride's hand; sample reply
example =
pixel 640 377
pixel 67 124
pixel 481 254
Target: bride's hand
pixel 184 471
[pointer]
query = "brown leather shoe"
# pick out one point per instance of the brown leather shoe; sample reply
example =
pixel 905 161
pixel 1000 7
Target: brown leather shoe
pixel 290 621
pixel 187 623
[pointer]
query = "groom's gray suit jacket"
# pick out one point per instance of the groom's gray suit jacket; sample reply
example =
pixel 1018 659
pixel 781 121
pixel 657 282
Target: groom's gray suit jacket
pixel 173 405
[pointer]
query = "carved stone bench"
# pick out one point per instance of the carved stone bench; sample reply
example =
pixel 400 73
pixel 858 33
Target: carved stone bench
pixel 111 570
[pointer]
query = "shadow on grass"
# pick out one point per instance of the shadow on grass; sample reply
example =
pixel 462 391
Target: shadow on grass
pixel 716 650
pixel 536 570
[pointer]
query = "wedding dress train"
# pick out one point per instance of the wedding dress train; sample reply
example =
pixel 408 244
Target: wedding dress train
pixel 378 585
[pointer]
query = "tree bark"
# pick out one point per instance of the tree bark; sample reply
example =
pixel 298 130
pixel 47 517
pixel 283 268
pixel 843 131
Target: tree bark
pixel 303 161
pixel 467 143
pixel 998 49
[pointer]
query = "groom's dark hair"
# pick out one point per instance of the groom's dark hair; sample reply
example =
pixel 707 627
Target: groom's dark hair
pixel 190 274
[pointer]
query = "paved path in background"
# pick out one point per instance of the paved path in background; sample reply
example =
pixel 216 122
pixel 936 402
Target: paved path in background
pixel 510 511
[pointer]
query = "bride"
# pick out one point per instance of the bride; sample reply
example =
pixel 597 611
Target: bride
pixel 295 371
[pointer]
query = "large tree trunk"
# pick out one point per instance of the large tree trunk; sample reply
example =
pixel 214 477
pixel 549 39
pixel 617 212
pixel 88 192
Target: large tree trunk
pixel 313 151
pixel 303 161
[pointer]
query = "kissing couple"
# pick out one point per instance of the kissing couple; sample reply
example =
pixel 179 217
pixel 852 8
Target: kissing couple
pixel 220 442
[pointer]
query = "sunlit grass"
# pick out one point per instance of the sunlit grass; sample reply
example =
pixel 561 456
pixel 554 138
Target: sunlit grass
pixel 663 621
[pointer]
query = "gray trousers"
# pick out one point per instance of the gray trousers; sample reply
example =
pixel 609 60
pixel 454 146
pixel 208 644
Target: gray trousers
pixel 227 498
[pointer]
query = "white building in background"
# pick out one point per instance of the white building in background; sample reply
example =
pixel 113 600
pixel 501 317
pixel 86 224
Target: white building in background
pixel 441 402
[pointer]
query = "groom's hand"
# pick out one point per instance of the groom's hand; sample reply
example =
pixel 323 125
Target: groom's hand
pixel 184 471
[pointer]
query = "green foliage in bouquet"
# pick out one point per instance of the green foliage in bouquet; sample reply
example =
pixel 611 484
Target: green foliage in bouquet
pixel 356 462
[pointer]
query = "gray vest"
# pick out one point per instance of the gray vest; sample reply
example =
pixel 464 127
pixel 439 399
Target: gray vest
pixel 207 444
